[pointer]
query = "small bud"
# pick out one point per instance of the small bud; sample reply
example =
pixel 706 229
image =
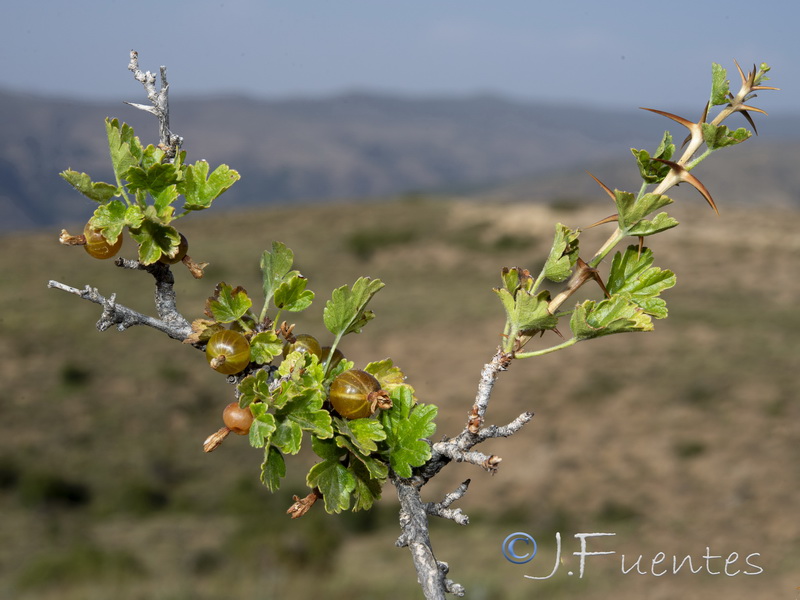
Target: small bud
pixel 492 463
pixel 474 423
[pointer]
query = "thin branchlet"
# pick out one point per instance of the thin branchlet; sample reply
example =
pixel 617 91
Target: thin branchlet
pixel 168 141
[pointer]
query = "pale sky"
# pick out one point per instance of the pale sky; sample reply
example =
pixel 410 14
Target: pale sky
pixel 618 53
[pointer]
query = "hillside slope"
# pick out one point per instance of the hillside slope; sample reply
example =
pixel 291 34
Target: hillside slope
pixel 676 440
pixel 356 145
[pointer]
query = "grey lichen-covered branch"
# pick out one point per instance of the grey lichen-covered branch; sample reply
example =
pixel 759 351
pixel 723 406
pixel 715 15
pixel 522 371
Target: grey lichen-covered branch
pixel 431 573
pixel 170 321
pixel 169 141
pixel 414 513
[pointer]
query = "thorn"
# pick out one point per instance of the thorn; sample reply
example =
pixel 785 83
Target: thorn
pixel 751 76
pixel 702 120
pixel 747 116
pixel 694 128
pixel 591 273
pixel 608 219
pixel 704 116
pixel 741 73
pixel 685 122
pixel 683 175
pixel 744 107
pixel 144 107
pixel 604 186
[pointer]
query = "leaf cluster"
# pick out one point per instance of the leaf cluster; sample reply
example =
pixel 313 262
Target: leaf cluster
pixel 147 189
pixel 630 294
pixel 287 391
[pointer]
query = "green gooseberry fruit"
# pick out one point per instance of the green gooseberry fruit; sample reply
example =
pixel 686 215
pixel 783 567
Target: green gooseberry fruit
pixel 303 343
pixel 97 246
pixel 353 394
pixel 337 357
pixel 228 352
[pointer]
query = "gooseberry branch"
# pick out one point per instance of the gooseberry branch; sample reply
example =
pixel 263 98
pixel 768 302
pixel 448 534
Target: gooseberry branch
pixel 170 321
pixel 346 395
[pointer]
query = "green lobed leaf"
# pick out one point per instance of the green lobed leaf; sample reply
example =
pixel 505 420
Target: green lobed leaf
pixel 153 155
pixel 346 311
pixel 275 268
pixel 651 170
pixel 153 179
pixel 154 238
pixel 618 314
pixel 305 409
pixel 264 347
pixel 273 469
pixel 98 191
pixel 406 426
pixel 720 86
pixel 254 388
pixel 516 278
pixel 363 433
pixel 162 200
pixel 112 218
pixel 645 227
pixel 288 437
pixel 292 294
pixel 632 273
pixel 332 478
pixel 563 254
pixel 124 146
pixel 368 488
pixel 719 136
pixel 527 312
pixel 228 303
pixel 632 210
pixel 292 363
pixel 200 189
pixel 387 374
pixel 263 425
pixel 300 372
pixel 375 469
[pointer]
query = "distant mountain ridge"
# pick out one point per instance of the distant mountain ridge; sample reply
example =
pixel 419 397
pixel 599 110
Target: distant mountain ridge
pixel 352 145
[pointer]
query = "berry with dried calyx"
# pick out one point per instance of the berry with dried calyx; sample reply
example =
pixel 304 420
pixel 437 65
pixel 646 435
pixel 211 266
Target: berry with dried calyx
pixel 237 420
pixel 97 246
pixel 228 352
pixel 355 394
